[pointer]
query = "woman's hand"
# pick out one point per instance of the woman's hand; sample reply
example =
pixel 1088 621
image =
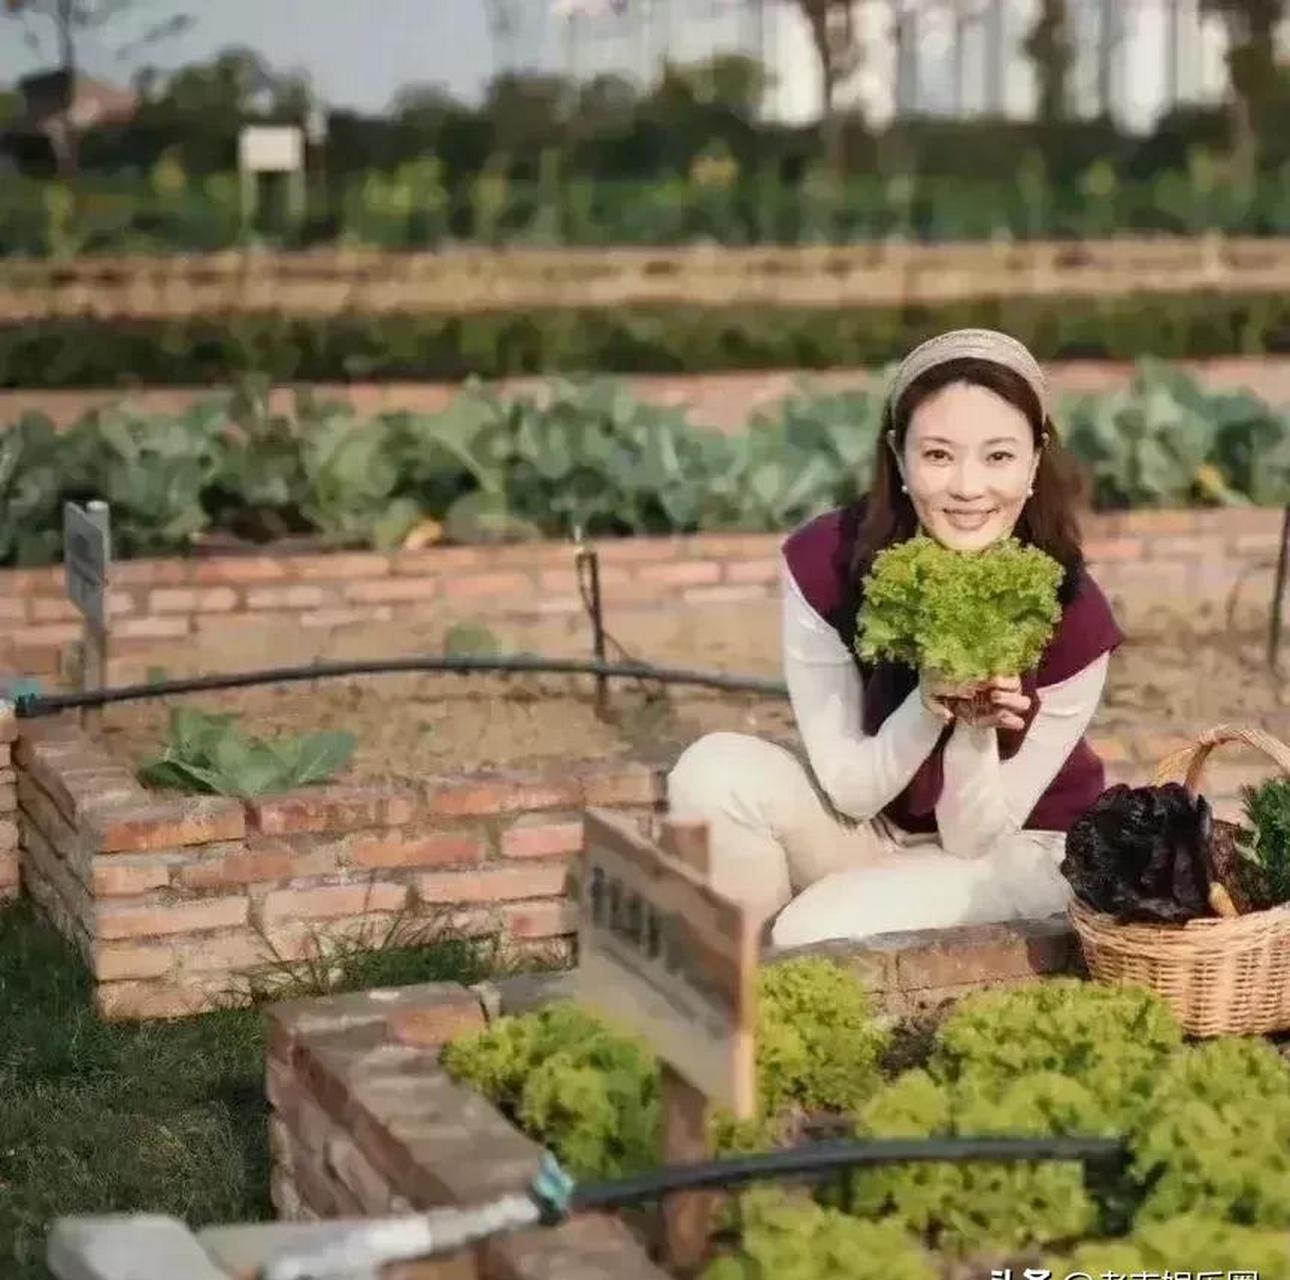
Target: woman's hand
pixel 1009 704
pixel 931 700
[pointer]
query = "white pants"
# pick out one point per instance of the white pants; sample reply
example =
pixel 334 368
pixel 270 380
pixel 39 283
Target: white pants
pixel 772 836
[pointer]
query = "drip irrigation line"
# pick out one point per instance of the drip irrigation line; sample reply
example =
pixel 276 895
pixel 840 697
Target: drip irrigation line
pixel 822 1158
pixel 29 706
pixel 553 1196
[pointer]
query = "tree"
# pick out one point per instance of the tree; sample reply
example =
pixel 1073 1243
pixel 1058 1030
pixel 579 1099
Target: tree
pixel 835 34
pixel 1051 48
pixel 72 19
pixel 1255 78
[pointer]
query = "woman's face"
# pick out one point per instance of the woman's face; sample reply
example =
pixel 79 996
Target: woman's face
pixel 969 459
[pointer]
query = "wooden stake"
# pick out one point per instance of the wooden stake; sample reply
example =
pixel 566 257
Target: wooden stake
pixel 687 1215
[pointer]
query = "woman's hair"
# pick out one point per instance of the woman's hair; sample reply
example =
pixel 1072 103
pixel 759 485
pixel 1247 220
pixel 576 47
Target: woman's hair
pixel 1048 519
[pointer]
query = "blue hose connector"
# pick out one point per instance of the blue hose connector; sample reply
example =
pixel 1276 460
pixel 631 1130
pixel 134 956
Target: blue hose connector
pixel 552 1188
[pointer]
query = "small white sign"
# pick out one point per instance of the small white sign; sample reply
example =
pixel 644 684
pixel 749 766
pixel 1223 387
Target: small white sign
pixel 271 149
pixel 87 557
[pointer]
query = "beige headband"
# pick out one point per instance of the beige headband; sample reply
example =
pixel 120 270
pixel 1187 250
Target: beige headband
pixel 974 344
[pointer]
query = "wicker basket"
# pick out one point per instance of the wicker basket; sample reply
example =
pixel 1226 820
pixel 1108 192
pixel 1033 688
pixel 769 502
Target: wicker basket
pixel 1220 975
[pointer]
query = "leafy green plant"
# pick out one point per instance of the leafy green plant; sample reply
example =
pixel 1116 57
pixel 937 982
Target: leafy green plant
pixel 963 615
pixel 1214 1137
pixel 962 1208
pixel 1266 841
pixel 584 1090
pixel 1205 1246
pixel 784 1237
pixel 209 753
pixel 571 1080
pixel 1114 1039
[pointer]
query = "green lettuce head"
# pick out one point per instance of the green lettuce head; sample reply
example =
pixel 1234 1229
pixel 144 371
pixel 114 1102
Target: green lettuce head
pixel 963 615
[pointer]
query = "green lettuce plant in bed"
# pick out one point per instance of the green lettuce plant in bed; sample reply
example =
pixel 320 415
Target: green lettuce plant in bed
pixel 1206 1126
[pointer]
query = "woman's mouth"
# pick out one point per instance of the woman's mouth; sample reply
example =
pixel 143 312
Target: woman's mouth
pixel 968 519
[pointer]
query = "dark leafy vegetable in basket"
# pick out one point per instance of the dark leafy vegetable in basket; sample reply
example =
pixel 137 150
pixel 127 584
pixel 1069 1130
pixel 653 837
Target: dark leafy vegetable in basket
pixel 1140 854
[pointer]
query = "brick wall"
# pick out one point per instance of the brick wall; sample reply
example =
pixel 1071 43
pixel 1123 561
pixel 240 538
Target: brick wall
pixel 175 902
pixel 434 1142
pixel 1156 566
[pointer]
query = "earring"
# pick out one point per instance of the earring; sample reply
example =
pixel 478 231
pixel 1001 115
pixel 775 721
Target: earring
pixel 904 488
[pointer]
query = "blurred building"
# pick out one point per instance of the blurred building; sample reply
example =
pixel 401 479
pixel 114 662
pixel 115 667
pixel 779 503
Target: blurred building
pixel 1134 59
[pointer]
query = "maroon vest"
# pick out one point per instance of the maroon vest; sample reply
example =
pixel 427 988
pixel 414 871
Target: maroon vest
pixel 819 557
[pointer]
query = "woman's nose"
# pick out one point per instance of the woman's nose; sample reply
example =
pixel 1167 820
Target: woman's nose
pixel 967 479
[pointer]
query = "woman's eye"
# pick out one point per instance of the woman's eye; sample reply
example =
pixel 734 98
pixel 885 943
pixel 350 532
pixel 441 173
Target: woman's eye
pixel 935 455
pixel 1001 455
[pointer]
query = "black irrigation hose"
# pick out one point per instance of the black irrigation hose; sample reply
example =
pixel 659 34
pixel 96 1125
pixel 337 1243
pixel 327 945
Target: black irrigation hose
pixel 29 706
pixel 821 1158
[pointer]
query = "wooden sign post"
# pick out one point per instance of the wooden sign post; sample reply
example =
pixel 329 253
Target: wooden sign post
pixel 666 956
pixel 87 561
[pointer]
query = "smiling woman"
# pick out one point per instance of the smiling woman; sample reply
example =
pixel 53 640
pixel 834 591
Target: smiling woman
pixel 907 812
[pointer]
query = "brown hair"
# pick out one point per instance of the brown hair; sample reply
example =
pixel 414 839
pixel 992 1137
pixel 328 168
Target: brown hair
pixel 1048 520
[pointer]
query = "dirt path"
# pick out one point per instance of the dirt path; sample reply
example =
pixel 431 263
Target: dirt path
pixel 724 400
pixel 1160 691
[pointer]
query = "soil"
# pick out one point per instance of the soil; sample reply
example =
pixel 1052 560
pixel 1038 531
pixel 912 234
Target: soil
pixel 412 726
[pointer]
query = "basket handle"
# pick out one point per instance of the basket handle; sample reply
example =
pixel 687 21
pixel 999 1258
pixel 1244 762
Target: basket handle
pixel 1195 756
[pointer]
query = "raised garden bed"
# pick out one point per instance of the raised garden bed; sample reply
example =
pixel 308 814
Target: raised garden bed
pixel 183 903
pixel 367 1121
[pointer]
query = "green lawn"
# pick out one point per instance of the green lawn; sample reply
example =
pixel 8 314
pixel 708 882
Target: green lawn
pixel 165 1116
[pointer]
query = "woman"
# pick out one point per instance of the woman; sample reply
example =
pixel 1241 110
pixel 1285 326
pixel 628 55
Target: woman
pixel 908 817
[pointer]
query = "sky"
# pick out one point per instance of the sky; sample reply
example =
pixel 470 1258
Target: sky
pixel 358 54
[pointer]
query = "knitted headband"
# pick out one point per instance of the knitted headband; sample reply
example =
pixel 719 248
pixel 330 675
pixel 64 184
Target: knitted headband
pixel 975 344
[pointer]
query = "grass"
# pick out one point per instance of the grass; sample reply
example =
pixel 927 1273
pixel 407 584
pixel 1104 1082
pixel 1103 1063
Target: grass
pixel 167 1117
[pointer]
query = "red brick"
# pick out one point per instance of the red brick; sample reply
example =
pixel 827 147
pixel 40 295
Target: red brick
pixel 504 794
pixel 753 571
pixel 339 566
pixel 1204 546
pixel 260 864
pixel 151 573
pixel 13 609
pixel 684 573
pixel 434 561
pixel 1098 550
pixel 240 624
pixel 239 569
pixel 166 627
pixel 635 784
pixel 1258 544
pixel 494 884
pixel 116 921
pixel 8 835
pixel 383 591
pixel 286 597
pixel 127 875
pixel 168 824
pixel 1158 522
pixel 111 964
pixel 638 550
pixel 725 594
pixel 121 1001
pixel 432 849
pixel 237 951
pixel 734 546
pixel 48 636
pixel 192 600
pixel 53 609
pixel 332 901
pixel 528 839
pixel 550 919
pixel 9 870
pixel 433 1023
pixel 955 957
pixel 327 619
pixel 505 586
pixel 331 808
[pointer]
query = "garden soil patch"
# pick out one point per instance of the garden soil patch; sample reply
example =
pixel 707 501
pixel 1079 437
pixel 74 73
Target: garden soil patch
pixel 1161 690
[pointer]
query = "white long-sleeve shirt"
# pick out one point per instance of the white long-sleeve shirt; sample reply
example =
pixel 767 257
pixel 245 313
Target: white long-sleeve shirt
pixel 983 798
